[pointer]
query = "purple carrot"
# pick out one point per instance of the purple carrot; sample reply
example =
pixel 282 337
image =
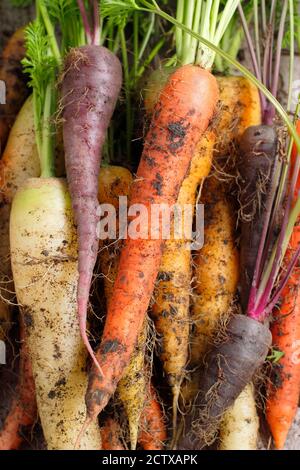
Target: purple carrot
pixel 91 84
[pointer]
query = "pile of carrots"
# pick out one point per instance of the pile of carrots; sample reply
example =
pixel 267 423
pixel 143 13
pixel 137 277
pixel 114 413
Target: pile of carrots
pixel 142 342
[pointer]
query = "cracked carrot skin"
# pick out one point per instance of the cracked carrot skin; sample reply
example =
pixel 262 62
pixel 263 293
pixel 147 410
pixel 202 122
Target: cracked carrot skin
pixel 182 114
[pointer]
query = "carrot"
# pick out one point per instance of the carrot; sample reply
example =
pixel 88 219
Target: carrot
pixel 19 162
pixel 229 367
pixel 153 434
pixel 181 116
pixel 90 87
pixel 39 263
pixel 240 423
pixel 23 412
pixel 216 270
pixel 15 83
pixel 173 288
pixel 110 435
pixel 44 263
pixel 214 288
pixel 114 182
pixel 283 393
pixel 168 149
pixel 257 166
pixel 170 310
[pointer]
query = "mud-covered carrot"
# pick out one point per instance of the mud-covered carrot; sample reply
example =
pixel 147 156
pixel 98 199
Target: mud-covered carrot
pixel 170 310
pixel 14 81
pixel 115 182
pixel 153 433
pixel 91 83
pixel 216 270
pixel 44 263
pixel 184 109
pixel 110 435
pixel 229 366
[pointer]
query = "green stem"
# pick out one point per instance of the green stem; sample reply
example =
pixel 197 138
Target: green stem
pixel 187 39
pixel 256 33
pixel 147 36
pixel 46 154
pixel 289 230
pixel 178 31
pixel 37 124
pixel 127 92
pixel 135 42
pixel 196 22
pixel 292 54
pixel 150 57
pixel 50 30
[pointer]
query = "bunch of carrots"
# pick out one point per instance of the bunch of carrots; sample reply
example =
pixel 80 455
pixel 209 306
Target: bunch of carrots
pixel 118 335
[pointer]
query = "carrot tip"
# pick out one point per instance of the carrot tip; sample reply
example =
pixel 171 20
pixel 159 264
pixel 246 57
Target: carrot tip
pixel 89 348
pixel 84 428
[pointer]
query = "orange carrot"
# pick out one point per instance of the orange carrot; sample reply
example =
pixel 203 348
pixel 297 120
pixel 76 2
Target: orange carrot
pixel 23 411
pixel 110 435
pixel 153 432
pixel 284 393
pixel 182 114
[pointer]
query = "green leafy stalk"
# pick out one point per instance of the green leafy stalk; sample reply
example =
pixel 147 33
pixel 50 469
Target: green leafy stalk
pixel 40 64
pixel 113 7
pixel 50 30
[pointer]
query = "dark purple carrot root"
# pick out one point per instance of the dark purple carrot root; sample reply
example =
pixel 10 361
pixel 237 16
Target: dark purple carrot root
pixel 91 85
pixel 229 367
pixel 257 150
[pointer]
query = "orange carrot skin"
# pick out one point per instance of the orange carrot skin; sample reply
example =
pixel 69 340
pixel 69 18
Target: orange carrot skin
pixel 184 109
pixel 153 432
pixel 283 396
pixel 110 433
pixel 23 410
